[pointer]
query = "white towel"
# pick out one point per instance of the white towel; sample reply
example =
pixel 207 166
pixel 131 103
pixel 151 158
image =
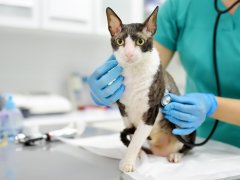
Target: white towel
pixel 214 160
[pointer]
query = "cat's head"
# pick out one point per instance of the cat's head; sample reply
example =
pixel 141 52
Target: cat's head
pixel 131 42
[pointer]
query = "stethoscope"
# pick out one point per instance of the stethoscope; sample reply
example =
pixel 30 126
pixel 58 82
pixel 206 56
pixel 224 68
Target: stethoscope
pixel 167 98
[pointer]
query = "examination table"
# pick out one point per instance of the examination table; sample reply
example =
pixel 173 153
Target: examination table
pixel 59 161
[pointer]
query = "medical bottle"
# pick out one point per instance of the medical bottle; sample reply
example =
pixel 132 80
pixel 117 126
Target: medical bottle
pixel 14 122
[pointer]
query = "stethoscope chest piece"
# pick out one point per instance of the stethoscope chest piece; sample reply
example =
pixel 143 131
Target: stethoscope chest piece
pixel 166 99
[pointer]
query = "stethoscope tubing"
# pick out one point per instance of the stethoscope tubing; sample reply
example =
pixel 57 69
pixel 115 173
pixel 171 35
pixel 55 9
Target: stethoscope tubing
pixel 219 11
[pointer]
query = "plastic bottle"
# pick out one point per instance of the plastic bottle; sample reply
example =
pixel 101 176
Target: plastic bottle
pixel 12 121
pixel 15 118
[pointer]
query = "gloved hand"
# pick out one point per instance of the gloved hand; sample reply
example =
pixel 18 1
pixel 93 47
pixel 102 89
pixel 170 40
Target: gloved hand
pixel 106 83
pixel 188 112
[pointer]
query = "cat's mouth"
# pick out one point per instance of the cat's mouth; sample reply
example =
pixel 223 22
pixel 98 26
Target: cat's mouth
pixel 130 61
pixel 126 61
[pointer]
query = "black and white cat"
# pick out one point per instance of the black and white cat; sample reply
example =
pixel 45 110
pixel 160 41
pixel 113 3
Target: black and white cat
pixel 145 83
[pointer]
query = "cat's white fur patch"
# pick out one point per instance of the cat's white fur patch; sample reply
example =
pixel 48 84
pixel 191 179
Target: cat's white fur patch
pixel 129 46
pixel 138 79
pixel 175 157
pixel 127 164
pixel 146 32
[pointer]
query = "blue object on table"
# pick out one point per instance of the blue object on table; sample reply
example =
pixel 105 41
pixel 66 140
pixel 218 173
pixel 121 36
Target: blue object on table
pixel 11 119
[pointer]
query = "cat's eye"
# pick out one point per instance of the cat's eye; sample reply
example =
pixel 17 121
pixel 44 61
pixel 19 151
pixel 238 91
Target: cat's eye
pixel 120 42
pixel 140 41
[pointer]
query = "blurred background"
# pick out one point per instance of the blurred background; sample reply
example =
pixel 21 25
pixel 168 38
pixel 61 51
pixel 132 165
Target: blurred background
pixel 48 48
pixel 51 46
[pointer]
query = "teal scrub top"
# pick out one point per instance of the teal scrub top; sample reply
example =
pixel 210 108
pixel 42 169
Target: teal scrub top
pixel 187 26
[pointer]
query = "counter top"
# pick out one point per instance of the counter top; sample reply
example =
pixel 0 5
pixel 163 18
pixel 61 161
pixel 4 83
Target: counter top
pixel 56 160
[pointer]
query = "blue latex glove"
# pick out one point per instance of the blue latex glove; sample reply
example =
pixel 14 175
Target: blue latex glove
pixel 106 83
pixel 188 112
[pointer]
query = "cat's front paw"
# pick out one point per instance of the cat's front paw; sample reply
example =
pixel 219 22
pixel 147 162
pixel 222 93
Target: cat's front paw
pixel 175 157
pixel 126 166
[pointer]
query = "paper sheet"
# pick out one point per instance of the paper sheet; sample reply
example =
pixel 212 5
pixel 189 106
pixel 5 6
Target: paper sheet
pixel 214 160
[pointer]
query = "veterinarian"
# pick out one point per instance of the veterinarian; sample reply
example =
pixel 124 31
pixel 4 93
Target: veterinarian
pixel 187 26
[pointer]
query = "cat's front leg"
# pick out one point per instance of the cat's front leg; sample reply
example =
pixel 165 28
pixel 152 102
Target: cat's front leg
pixel 143 130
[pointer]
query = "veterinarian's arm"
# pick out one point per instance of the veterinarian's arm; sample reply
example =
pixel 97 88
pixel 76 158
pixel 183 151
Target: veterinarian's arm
pixel 164 53
pixel 228 110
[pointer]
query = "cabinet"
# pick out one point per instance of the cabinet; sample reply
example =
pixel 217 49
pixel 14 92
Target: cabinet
pixel 129 12
pixel 19 13
pixel 68 15
pixel 81 16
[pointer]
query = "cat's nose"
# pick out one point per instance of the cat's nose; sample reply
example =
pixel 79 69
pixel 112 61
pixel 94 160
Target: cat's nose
pixel 129 55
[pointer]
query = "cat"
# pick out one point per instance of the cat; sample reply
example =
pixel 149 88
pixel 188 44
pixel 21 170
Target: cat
pixel 145 82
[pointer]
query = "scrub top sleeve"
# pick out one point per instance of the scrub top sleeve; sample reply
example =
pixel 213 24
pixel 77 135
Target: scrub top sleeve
pixel 167 31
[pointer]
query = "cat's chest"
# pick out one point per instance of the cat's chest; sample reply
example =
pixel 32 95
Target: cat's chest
pixel 138 80
pixel 136 87
pixel 136 94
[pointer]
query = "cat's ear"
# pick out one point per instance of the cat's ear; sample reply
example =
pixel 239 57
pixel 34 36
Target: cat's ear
pixel 114 22
pixel 151 22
